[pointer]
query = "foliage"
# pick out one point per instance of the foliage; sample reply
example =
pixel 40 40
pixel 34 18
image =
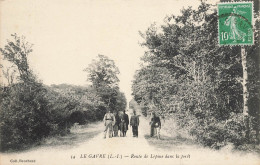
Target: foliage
pixel 17 52
pixel 186 74
pixel 31 111
pixel 24 116
pixel 102 73
pixel 77 99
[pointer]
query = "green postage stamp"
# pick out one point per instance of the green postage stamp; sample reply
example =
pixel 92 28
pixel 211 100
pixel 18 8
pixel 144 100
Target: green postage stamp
pixel 235 23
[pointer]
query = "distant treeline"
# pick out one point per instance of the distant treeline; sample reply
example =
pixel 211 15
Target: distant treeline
pixel 31 110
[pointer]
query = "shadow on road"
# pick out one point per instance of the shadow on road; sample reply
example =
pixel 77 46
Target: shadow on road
pixel 70 140
pixel 75 138
pixel 169 143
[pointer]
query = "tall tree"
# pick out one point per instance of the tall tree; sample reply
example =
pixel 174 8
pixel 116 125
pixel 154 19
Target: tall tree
pixel 16 51
pixel 103 74
pixel 207 78
pixel 24 115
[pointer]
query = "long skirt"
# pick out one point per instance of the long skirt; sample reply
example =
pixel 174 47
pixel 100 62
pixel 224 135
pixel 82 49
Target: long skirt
pixel 155 131
pixel 123 129
pixel 115 128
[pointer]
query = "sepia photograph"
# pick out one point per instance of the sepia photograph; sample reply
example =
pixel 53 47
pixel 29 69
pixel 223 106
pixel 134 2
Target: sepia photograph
pixel 138 82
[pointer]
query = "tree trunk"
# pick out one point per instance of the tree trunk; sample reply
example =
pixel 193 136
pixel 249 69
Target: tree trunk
pixel 245 81
pixel 245 90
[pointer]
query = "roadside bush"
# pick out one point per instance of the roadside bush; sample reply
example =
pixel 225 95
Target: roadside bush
pixel 31 111
pixel 217 133
pixel 60 109
pixel 24 117
pixel 77 117
pixel 235 127
pixel 213 135
pixel 207 131
pixel 236 130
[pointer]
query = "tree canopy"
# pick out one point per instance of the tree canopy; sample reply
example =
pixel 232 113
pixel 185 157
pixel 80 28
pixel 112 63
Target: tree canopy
pixel 103 74
pixel 186 74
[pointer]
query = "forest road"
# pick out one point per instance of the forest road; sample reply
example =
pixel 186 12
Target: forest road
pixel 86 146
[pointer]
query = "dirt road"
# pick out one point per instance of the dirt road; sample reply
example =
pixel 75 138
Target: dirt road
pixel 86 146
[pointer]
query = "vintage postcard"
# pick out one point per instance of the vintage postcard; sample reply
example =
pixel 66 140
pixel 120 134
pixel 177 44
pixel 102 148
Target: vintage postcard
pixel 140 82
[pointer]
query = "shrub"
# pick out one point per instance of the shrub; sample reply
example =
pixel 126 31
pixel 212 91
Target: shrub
pixel 215 133
pixel 77 117
pixel 236 129
pixel 24 118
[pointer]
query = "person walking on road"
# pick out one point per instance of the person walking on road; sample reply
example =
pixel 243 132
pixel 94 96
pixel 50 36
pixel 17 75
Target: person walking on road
pixel 134 122
pixel 116 125
pixel 155 125
pixel 108 120
pixel 124 122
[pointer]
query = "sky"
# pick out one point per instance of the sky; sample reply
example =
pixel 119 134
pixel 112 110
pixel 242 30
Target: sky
pixel 68 34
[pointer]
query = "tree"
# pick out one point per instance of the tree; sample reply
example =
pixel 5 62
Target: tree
pixel 17 52
pixel 9 74
pixel 120 102
pixel 103 74
pixel 152 86
pixel 205 80
pixel 24 116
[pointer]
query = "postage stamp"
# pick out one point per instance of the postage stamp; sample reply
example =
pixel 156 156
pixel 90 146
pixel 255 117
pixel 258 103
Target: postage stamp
pixel 235 23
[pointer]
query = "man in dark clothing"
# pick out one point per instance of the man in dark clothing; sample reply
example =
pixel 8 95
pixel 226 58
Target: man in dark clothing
pixel 155 125
pixel 116 125
pixel 124 122
pixel 134 122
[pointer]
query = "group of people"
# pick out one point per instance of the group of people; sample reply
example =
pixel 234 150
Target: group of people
pixel 119 122
pixel 115 122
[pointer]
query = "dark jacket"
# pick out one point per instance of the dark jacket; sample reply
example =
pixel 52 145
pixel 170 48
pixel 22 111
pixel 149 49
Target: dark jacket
pixel 124 120
pixel 155 122
pixel 134 121
pixel 117 120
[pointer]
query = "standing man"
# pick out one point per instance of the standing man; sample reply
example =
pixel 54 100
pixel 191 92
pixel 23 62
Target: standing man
pixel 134 122
pixel 108 120
pixel 124 122
pixel 116 125
pixel 155 125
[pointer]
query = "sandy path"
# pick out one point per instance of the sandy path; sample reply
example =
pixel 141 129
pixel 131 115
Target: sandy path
pixel 120 150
